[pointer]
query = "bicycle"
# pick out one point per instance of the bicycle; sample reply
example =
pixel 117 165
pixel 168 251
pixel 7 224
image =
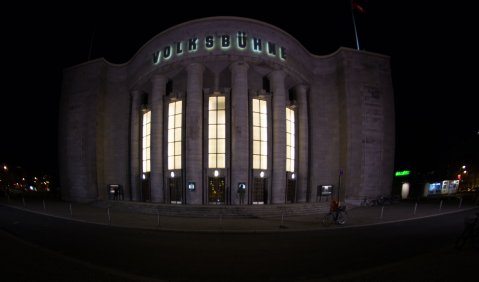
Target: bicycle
pixel 470 232
pixel 340 216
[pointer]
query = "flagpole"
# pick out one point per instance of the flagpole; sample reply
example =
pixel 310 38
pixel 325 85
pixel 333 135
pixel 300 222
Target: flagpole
pixel 354 24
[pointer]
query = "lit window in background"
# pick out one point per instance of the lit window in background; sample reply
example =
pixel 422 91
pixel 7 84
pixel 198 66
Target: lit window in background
pixel 290 145
pixel 217 132
pixel 145 138
pixel 174 134
pixel 260 134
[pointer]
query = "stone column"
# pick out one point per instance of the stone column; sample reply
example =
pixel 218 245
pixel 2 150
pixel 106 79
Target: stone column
pixel 194 132
pixel 239 129
pixel 157 94
pixel 278 194
pixel 135 145
pixel 303 142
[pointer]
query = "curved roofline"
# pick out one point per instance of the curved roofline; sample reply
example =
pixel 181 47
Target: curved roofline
pixel 340 49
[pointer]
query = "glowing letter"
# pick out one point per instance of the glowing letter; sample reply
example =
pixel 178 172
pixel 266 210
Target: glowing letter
pixel 209 42
pixel 282 53
pixel 167 52
pixel 241 40
pixel 156 57
pixel 192 44
pixel 271 48
pixel 179 48
pixel 225 41
pixel 256 44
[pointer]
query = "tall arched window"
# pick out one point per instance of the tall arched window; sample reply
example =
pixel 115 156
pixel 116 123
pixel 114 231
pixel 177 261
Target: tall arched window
pixel 217 132
pixel 260 134
pixel 174 134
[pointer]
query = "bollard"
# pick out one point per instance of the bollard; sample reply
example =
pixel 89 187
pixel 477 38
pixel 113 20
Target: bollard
pixel 440 205
pixel 44 206
pixel 415 208
pixel 71 211
pixel 23 201
pixel 382 212
pixel 460 202
pixel 108 213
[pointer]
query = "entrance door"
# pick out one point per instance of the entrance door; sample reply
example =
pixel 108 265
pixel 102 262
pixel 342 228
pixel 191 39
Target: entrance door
pixel 176 193
pixel 291 191
pixel 216 190
pixel 260 191
pixel 145 188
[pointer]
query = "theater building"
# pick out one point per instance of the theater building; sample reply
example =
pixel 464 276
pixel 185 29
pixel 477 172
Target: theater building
pixel 227 111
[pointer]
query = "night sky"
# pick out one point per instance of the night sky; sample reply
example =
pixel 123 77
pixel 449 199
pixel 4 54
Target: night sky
pixel 430 46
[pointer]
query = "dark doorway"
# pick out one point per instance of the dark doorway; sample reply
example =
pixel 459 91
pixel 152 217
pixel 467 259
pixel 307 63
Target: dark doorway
pixel 176 193
pixel 145 187
pixel 260 191
pixel 291 191
pixel 216 190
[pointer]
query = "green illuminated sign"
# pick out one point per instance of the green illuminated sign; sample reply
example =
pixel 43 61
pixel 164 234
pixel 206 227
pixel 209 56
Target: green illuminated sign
pixel 402 173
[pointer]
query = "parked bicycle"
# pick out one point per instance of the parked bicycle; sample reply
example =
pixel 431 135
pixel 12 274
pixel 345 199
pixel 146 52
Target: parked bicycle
pixel 470 232
pixel 340 216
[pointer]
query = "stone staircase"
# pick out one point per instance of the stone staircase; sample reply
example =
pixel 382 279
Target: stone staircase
pixel 212 211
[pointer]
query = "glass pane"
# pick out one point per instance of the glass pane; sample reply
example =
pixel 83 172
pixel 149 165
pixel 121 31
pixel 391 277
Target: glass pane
pixel 291 153
pixel 287 114
pixel 221 117
pixel 212 160
pixel 212 103
pixel 288 140
pixel 171 135
pixel 171 109
pixel 212 117
pixel 221 131
pixel 143 143
pixel 264 120
pixel 171 122
pixel 171 162
pixel 288 165
pixel 255 105
pixel 212 146
pixel 256 133
pixel 263 107
pixel 212 131
pixel 148 141
pixel 264 134
pixel 292 141
pixel 256 147
pixel 143 155
pixel 288 127
pixel 256 120
pixel 177 148
pixel 264 162
pixel 221 145
pixel 292 166
pixel 177 162
pixel 264 148
pixel 288 153
pixel 177 120
pixel 256 160
pixel 291 118
pixel 178 107
pixel 221 161
pixel 171 149
pixel 178 134
pixel 221 102
pixel 147 150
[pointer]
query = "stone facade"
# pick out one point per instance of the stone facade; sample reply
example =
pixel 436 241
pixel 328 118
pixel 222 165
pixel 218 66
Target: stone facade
pixel 343 120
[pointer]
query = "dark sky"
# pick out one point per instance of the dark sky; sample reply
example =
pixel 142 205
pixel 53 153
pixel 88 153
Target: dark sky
pixel 430 46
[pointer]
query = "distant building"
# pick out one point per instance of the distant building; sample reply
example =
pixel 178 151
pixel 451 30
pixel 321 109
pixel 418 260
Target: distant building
pixel 223 108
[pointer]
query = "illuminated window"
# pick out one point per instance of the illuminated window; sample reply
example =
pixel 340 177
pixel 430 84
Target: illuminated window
pixel 145 138
pixel 260 134
pixel 290 156
pixel 216 132
pixel 174 134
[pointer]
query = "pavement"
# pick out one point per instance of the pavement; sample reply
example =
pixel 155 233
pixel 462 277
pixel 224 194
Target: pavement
pixel 105 214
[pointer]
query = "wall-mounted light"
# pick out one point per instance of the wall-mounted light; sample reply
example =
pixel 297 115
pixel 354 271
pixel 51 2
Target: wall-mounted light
pixel 216 173
pixel 293 176
pixel 172 174
pixel 261 174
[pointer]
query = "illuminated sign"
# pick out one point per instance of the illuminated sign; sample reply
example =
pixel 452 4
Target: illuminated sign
pixel 402 173
pixel 223 41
